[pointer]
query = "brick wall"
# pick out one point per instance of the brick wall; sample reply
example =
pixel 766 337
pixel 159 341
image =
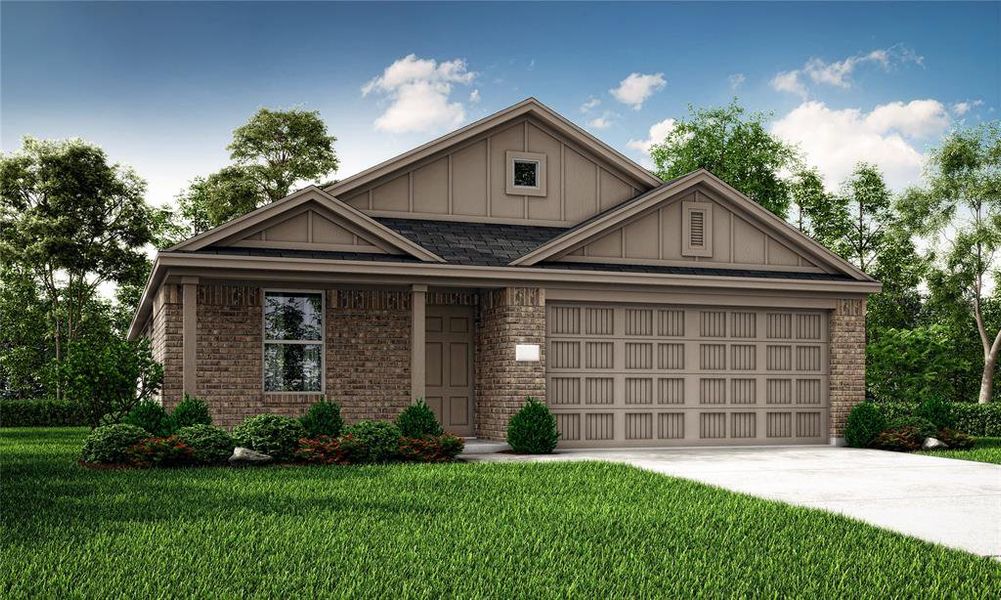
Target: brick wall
pixel 507 317
pixel 847 361
pixel 165 340
pixel 368 352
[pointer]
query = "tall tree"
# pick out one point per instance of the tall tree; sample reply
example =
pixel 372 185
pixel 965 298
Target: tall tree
pixel 960 206
pixel 810 202
pixel 73 222
pixel 279 148
pixel 734 146
pixel 857 220
pixel 211 201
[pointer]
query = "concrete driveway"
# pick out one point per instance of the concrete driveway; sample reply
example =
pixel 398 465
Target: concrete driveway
pixel 952 502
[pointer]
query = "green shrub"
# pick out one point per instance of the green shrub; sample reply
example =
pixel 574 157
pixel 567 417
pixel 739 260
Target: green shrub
pixel 899 439
pixel 924 427
pixel 864 423
pixel 956 440
pixel 109 445
pixel 160 452
pixel 418 420
pixel 323 419
pixel 992 418
pixel 210 445
pixel 274 435
pixel 936 410
pixel 322 450
pixel 371 442
pixel 431 449
pixel 40 413
pixel 969 418
pixel 532 430
pixel 192 411
pixel 151 417
pixel 912 363
pixel 895 410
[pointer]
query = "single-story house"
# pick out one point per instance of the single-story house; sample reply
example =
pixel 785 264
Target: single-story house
pixel 518 256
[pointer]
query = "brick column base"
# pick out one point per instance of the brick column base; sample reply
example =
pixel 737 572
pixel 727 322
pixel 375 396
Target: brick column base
pixel 847 357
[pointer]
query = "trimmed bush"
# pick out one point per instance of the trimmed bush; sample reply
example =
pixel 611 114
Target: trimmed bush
pixel 417 421
pixel 191 411
pixel 151 417
pixel 371 442
pixel 431 449
pixel 969 418
pixel 975 419
pixel 864 423
pixel 532 430
pixel 160 452
pixel 323 450
pixel 323 419
pixel 992 419
pixel 895 410
pixel 924 427
pixel 40 413
pixel 210 445
pixel 899 439
pixel 956 440
pixel 936 410
pixel 274 435
pixel 109 444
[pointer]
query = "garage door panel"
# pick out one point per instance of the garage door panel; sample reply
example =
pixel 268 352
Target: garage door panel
pixel 647 375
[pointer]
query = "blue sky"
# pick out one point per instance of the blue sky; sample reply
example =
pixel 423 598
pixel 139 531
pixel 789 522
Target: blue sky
pixel 161 86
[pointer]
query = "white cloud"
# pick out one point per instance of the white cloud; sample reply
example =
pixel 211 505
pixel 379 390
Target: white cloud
pixel 635 89
pixel 788 81
pixel 836 140
pixel 961 108
pixel 658 131
pixel 839 73
pixel 418 90
pixel 600 123
pixel 474 96
pixel 737 80
pixel 591 104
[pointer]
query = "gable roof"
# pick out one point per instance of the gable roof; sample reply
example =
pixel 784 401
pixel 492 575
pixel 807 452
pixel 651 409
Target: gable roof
pixel 529 106
pixel 325 201
pixel 604 222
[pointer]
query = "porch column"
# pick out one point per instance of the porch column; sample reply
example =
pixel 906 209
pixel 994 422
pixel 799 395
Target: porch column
pixel 418 303
pixel 189 334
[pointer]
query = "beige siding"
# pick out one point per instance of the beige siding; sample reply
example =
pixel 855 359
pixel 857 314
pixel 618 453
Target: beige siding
pixel 468 182
pixel 656 237
pixel 309 227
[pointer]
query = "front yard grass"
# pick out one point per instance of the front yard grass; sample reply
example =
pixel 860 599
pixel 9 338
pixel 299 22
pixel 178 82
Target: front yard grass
pixel 466 530
pixel 987 449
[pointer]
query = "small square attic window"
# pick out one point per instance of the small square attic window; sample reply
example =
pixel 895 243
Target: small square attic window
pixel 526 173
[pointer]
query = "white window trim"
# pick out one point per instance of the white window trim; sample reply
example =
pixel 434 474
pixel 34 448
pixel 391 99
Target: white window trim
pixel 523 190
pixel 322 341
pixel 706 249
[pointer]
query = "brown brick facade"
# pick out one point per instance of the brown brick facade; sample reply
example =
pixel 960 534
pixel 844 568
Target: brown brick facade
pixel 166 339
pixel 847 361
pixel 507 317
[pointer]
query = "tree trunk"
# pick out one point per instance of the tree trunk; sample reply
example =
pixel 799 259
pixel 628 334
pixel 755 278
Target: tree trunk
pixel 987 379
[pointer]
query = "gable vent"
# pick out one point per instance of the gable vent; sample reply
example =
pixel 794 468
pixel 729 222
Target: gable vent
pixel 697 223
pixel 697 229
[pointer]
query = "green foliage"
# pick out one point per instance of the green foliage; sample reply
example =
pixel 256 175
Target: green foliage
pixel 211 201
pixel 371 442
pixel 431 449
pixel 418 420
pixel 899 439
pixel 109 379
pixel 938 411
pixel 910 363
pixel 160 452
pixel 894 410
pixel 733 146
pixel 39 413
pixel 153 418
pixel 955 440
pixel 864 423
pixel 191 411
pixel 210 445
pixel 532 430
pixel 323 419
pixel 810 202
pixel 274 435
pixel 25 349
pixel 109 445
pixel 856 227
pixel 922 426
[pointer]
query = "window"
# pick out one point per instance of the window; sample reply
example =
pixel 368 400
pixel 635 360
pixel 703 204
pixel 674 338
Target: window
pixel 526 173
pixel 293 341
pixel 697 229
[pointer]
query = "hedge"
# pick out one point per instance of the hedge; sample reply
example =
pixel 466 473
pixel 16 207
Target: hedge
pixel 40 413
pixel 974 419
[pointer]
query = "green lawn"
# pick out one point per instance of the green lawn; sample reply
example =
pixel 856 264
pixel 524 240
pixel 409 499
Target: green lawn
pixel 988 449
pixel 496 530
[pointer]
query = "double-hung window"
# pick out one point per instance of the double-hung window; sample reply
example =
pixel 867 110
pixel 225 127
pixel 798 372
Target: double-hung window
pixel 293 341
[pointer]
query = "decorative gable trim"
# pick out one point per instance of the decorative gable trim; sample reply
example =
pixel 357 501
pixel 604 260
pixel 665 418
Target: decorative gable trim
pixel 605 222
pixel 309 199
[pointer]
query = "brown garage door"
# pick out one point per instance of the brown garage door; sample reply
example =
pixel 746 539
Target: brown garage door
pixel 657 375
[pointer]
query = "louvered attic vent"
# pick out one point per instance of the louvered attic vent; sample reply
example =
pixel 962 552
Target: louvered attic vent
pixel 697 229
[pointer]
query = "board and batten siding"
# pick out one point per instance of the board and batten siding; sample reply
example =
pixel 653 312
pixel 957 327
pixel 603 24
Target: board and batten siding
pixel 467 182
